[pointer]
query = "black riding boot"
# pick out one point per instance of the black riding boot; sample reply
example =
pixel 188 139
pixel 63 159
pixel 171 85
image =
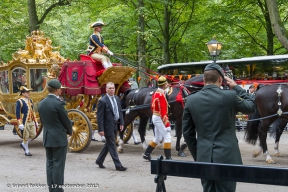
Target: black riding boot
pixel 167 153
pixel 147 153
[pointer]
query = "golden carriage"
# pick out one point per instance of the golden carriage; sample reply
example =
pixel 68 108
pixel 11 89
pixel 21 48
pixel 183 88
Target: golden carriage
pixel 37 64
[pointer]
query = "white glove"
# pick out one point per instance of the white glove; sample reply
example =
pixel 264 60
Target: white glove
pixel 21 126
pixel 36 124
pixel 168 129
pixel 110 52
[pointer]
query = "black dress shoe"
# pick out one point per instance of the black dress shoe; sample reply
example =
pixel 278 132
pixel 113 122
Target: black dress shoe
pixel 146 156
pixel 22 146
pixel 100 165
pixel 94 139
pixel 28 154
pixel 121 168
pixel 137 143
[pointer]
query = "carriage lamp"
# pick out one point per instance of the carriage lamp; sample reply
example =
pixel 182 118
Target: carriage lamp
pixel 214 48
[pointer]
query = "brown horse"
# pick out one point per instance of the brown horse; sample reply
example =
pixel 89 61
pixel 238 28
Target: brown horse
pixel 272 103
pixel 138 102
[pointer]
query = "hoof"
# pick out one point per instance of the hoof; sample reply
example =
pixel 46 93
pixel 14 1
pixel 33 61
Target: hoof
pixel 181 154
pixel 256 153
pixel 278 154
pixel 270 161
pixel 120 150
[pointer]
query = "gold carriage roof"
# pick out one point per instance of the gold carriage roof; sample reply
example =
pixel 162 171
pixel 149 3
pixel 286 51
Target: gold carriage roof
pixel 38 50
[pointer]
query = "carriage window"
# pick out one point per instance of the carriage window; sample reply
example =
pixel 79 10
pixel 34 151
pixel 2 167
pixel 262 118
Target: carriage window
pixel 38 79
pixel 4 81
pixel 19 79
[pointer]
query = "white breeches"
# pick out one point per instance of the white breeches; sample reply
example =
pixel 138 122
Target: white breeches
pixel 103 59
pixel 29 131
pixel 160 130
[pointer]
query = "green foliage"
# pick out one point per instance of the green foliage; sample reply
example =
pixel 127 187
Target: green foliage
pixel 239 25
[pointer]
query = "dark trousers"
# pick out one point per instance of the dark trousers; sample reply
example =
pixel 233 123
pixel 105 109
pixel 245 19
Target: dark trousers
pixel 218 186
pixel 55 165
pixel 109 146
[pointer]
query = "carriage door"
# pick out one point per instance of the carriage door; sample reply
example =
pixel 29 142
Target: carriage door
pixel 38 79
pixel 4 80
pixel 19 78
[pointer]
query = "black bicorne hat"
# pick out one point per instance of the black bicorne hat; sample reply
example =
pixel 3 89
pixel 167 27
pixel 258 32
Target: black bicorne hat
pixel 97 24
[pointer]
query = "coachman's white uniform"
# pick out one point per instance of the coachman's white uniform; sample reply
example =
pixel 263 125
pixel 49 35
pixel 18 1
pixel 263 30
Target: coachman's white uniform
pixel 97 47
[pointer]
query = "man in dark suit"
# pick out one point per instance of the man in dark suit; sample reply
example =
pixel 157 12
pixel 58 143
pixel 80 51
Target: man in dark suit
pixel 56 125
pixel 210 114
pixel 109 117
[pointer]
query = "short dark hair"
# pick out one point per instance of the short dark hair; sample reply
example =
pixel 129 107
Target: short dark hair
pixel 211 76
pixel 51 89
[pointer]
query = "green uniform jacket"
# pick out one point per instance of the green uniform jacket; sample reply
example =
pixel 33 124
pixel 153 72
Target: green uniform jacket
pixel 211 113
pixel 56 123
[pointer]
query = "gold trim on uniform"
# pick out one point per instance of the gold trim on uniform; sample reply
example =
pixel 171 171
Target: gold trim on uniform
pixel 153 144
pixel 167 146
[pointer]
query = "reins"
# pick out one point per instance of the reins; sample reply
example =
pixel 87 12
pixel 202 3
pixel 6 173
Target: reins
pixel 144 106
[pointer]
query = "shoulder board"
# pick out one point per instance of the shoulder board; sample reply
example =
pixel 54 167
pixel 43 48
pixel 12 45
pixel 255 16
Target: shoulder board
pixel 240 98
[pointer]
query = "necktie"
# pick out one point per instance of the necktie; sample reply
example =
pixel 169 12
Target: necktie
pixel 115 111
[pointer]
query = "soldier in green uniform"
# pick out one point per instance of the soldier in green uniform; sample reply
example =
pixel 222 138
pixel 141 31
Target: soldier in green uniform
pixel 56 125
pixel 210 114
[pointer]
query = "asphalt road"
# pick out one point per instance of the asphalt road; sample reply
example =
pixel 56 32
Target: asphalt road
pixel 20 173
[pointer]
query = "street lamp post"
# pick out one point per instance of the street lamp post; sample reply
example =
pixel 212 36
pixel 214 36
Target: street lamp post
pixel 214 48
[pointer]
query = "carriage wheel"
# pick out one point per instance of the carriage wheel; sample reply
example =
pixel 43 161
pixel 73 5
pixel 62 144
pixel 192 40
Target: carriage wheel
pixel 82 130
pixel 3 121
pixel 127 133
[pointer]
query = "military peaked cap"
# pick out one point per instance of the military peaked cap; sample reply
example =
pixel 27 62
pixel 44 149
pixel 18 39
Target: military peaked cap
pixel 214 66
pixel 54 83
pixel 251 86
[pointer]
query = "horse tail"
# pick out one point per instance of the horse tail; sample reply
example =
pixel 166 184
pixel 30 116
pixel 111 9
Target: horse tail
pixel 251 133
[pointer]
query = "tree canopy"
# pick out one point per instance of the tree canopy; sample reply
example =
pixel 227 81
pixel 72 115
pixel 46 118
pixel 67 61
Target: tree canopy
pixel 165 31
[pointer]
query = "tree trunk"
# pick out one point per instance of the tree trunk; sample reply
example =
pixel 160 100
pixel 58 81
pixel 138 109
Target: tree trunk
pixel 166 34
pixel 141 45
pixel 277 24
pixel 269 31
pixel 33 18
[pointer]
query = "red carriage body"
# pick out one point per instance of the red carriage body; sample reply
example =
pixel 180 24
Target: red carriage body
pixel 81 77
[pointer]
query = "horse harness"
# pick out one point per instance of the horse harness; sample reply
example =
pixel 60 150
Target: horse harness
pixel 134 106
pixel 279 111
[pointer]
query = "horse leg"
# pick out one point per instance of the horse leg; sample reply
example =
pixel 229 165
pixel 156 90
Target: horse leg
pixel 257 152
pixel 142 130
pixel 263 136
pixel 128 119
pixel 279 131
pixel 179 135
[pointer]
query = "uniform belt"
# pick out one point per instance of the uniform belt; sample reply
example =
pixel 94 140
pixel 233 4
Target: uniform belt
pixel 116 120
